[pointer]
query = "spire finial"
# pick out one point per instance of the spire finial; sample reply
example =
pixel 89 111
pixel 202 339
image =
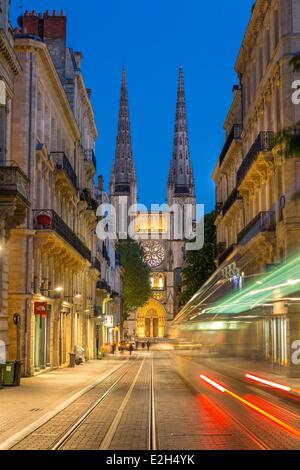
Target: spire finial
pixel 181 79
pixel 124 77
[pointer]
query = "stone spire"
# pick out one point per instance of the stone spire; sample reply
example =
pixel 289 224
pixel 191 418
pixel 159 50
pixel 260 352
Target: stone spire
pixel 181 179
pixel 123 174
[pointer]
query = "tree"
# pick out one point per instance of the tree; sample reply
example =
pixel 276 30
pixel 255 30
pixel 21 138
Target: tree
pixel 200 264
pixel 137 288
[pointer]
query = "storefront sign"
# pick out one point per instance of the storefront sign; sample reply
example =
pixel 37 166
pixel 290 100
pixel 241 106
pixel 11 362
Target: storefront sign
pixel 40 308
pixel 109 321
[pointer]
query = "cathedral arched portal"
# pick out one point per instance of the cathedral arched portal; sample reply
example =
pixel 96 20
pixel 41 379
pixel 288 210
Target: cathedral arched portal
pixel 151 320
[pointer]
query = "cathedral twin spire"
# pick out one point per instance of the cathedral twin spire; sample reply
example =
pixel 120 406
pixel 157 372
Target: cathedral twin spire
pixel 181 180
pixel 123 173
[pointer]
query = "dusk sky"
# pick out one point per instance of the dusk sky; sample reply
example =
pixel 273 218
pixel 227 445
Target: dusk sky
pixel 151 39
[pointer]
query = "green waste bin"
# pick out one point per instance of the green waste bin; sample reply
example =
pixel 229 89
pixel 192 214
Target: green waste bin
pixel 72 359
pixel 9 373
pixel 18 368
pixel 100 355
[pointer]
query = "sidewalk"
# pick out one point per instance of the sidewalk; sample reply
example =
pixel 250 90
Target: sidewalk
pixel 44 393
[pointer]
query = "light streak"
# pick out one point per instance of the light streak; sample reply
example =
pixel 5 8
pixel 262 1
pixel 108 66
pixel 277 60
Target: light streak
pixel 268 382
pixel 213 383
pixel 279 422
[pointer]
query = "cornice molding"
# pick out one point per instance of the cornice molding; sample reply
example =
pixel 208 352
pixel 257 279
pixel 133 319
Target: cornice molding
pixel 254 27
pixel 9 55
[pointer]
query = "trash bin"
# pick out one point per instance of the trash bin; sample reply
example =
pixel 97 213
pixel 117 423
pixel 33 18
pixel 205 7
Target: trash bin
pixel 9 373
pixel 18 366
pixel 72 359
pixel 100 355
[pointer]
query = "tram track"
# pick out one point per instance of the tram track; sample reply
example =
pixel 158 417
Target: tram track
pixel 124 382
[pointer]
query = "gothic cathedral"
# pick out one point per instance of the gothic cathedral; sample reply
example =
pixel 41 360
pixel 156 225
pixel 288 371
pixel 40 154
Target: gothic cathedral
pixel 164 251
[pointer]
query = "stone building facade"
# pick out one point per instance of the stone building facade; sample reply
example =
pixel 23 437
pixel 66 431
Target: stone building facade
pixel 109 290
pixel 164 251
pixel 14 184
pixel 53 265
pixel 258 221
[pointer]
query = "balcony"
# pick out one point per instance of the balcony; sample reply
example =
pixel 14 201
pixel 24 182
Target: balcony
pixel 62 163
pixel 89 157
pixel 14 191
pixel 96 264
pixel 86 196
pixel 234 134
pixel 263 143
pixel 264 222
pixel 234 196
pixel 49 220
pixel 103 286
pixel 224 255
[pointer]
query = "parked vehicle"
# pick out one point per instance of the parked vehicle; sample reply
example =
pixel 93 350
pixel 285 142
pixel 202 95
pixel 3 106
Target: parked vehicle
pixel 125 345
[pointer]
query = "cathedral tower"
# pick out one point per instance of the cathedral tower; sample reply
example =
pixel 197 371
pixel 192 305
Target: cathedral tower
pixel 181 188
pixel 123 184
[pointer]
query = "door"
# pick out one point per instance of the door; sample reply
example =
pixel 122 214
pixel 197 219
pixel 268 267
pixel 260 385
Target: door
pixel 155 327
pixel 147 327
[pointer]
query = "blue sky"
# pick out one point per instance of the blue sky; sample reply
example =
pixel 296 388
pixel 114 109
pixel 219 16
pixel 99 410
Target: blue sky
pixel 152 38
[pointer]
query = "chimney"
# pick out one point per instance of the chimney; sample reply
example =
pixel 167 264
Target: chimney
pixel 45 26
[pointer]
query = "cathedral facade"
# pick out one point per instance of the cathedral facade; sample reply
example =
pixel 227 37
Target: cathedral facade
pixel 157 231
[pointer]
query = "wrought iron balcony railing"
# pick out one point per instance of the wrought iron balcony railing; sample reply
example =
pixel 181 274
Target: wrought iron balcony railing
pixel 96 264
pixel 103 285
pixel 89 156
pixel 263 222
pixel 234 196
pixel 263 143
pixel 224 255
pixel 234 134
pixel 13 181
pixel 86 195
pixel 48 219
pixel 62 163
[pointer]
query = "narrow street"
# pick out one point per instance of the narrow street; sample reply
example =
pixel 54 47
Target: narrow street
pixel 144 404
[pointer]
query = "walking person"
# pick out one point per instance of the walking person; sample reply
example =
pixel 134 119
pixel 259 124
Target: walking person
pixel 148 345
pixel 130 349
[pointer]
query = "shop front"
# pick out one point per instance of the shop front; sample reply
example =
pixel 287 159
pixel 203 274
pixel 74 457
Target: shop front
pixel 42 334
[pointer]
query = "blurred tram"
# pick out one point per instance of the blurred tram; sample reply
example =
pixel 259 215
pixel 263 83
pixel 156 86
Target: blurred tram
pixel 244 322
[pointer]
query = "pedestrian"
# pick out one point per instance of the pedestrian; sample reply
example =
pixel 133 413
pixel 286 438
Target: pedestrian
pixel 148 345
pixel 136 345
pixel 130 348
pixel 113 348
pixel 143 345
